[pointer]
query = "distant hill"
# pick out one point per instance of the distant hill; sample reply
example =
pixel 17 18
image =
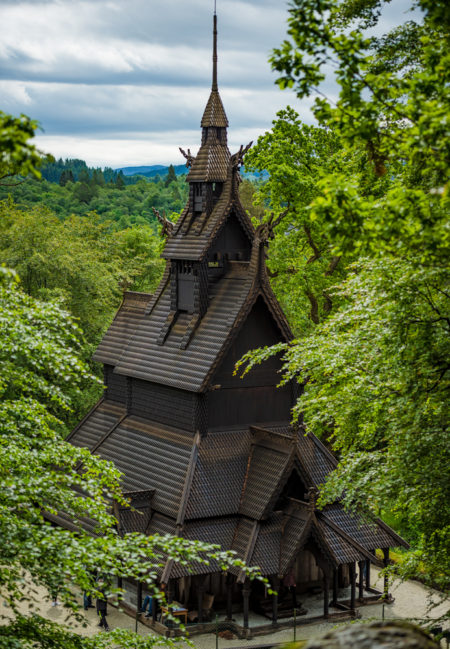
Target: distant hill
pixel 52 171
pixel 150 171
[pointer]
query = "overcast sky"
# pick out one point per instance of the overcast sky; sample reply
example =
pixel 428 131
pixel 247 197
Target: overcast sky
pixel 124 83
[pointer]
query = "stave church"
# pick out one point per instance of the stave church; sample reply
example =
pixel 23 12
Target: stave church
pixel 211 456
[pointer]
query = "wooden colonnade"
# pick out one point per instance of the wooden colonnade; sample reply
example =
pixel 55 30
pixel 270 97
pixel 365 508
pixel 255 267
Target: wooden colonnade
pixel 333 576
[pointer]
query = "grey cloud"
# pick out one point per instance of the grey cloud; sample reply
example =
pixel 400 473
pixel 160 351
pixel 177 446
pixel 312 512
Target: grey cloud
pixel 104 43
pixel 110 111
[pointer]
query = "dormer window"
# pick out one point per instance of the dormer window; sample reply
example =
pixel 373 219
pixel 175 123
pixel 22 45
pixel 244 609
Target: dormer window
pixel 185 285
pixel 198 197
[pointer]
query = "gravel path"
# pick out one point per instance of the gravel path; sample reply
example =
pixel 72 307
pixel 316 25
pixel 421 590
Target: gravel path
pixel 411 601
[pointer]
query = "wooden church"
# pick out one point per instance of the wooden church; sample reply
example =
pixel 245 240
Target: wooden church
pixel 205 454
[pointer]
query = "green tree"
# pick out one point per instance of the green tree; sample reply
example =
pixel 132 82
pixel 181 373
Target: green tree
pixel 80 260
pixel 171 176
pixel 376 371
pixel 120 182
pixel 17 154
pixel 40 472
pixel 65 177
pixel 83 176
pixel 393 103
pixel 302 262
pixel 84 192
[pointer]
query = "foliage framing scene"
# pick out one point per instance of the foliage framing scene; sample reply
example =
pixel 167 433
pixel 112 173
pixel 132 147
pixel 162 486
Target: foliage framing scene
pixel 358 260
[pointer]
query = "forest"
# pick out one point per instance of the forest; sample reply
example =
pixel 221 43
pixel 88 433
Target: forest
pixel 359 263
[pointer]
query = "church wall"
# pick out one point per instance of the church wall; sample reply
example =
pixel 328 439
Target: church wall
pixel 254 398
pixel 251 405
pixel 307 572
pixel 259 330
pixel 163 404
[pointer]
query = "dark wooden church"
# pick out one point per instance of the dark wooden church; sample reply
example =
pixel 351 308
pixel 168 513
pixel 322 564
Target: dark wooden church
pixel 205 454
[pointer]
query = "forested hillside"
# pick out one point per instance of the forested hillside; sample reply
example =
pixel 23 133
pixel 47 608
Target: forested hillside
pixel 124 201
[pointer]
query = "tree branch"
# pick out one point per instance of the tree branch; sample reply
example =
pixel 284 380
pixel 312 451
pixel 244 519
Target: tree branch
pixel 333 265
pixel 314 313
pixel 317 254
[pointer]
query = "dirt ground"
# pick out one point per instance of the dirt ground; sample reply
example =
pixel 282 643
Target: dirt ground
pixel 411 601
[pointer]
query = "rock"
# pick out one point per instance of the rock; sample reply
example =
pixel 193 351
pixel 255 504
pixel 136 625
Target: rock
pixel 378 635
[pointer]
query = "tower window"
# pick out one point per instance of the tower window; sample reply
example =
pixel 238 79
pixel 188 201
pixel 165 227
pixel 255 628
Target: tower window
pixel 198 197
pixel 186 282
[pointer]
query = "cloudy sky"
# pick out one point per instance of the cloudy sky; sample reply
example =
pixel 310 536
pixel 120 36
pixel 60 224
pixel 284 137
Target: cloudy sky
pixel 123 83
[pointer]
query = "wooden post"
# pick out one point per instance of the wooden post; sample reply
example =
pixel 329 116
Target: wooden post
pixel 155 606
pixel 246 590
pixel 230 583
pixel 170 591
pixel 200 592
pixel 276 587
pixel 139 596
pixel 326 594
pixel 361 580
pixel 335 586
pixel 367 574
pixel 386 578
pixel 352 569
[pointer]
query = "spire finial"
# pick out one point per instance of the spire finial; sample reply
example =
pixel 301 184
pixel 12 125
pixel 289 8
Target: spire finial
pixel 214 79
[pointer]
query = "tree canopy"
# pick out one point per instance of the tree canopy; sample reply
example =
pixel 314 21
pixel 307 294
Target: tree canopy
pixel 374 368
pixel 39 361
pixel 17 154
pixel 81 260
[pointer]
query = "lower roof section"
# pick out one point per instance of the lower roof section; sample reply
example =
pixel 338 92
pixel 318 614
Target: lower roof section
pixel 232 488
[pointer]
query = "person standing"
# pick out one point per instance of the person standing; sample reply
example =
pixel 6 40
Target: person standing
pixel 87 601
pixel 102 607
pixel 289 583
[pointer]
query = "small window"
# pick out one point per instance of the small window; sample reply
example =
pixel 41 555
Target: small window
pixel 198 197
pixel 185 285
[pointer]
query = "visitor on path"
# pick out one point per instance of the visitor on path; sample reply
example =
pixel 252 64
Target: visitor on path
pixel 289 583
pixel 87 601
pixel 54 594
pixel 148 602
pixel 87 597
pixel 102 606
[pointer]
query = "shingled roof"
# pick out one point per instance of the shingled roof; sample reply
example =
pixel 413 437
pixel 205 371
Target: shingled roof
pixel 231 299
pixel 193 243
pixel 214 114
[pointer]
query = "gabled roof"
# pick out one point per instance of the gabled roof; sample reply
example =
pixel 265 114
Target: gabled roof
pixel 222 460
pixel 231 300
pixel 315 459
pixel 210 164
pixel 222 489
pixel 268 470
pixel 99 422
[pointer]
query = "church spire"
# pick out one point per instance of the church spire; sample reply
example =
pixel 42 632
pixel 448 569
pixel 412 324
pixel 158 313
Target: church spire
pixel 214 114
pixel 214 78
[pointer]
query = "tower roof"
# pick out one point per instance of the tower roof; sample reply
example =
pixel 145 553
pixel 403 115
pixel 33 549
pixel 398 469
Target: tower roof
pixel 214 114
